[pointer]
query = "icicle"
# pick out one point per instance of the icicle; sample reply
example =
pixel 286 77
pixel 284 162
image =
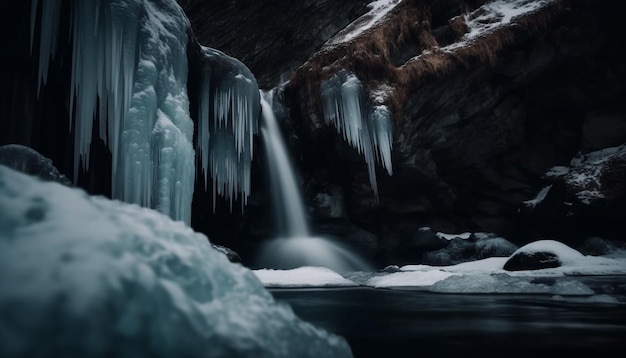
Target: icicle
pixel 49 23
pixel 346 107
pixel 228 124
pixel 129 57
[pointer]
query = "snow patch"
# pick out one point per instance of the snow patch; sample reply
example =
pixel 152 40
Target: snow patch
pixel 378 11
pixel 464 235
pixel 306 276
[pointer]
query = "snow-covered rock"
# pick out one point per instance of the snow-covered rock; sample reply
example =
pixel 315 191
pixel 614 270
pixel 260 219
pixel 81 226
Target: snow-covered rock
pixel 542 254
pixel 89 277
pixel 29 161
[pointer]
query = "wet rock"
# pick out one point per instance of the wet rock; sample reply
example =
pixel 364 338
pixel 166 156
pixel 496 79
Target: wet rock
pixel 532 261
pixel 231 254
pixel 29 161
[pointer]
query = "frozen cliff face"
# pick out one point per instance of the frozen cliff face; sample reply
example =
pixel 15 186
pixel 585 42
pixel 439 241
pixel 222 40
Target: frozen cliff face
pixel 89 277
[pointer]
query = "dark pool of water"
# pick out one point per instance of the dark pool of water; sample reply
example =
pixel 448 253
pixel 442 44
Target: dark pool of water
pixel 411 323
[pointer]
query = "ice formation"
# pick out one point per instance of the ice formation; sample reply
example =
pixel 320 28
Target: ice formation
pixel 90 277
pixel 227 121
pixel 366 127
pixel 129 71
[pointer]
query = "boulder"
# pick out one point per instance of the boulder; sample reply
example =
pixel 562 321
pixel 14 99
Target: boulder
pixel 231 254
pixel 29 161
pixel 541 254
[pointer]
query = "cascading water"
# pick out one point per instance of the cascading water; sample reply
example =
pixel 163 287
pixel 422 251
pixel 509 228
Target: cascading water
pixel 297 247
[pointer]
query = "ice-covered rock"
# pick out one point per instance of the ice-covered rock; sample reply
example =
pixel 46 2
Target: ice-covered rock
pixel 29 161
pixel 228 115
pixel 542 254
pixel 128 78
pixel 503 283
pixel 89 277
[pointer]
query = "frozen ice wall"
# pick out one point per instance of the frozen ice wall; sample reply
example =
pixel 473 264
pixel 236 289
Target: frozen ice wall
pixel 84 276
pixel 365 126
pixel 229 110
pixel 129 71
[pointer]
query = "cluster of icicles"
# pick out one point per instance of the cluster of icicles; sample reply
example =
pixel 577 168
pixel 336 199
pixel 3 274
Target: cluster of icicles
pixel 365 126
pixel 129 72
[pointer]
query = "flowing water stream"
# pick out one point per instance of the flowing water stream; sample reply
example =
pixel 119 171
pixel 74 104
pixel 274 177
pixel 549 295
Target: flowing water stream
pixel 294 246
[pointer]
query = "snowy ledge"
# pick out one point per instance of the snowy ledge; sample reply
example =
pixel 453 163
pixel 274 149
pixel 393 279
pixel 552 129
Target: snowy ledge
pixel 378 11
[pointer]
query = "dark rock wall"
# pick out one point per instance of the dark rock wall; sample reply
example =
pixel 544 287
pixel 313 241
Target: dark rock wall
pixel 271 37
pixel 472 144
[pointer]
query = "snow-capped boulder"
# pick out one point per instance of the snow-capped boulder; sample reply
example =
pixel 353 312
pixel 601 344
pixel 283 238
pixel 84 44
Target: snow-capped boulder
pixel 89 277
pixel 540 255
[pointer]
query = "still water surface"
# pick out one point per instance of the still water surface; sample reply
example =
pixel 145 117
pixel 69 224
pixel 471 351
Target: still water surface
pixel 412 323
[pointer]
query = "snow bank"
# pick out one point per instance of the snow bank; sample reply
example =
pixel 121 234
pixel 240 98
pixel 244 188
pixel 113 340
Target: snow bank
pixel 86 276
pixel 306 276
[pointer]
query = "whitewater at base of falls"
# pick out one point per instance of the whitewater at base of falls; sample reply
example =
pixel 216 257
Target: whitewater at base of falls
pixel 297 248
pixel 293 252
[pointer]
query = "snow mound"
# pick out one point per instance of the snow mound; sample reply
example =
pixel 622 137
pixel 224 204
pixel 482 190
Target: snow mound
pixel 306 276
pixel 86 276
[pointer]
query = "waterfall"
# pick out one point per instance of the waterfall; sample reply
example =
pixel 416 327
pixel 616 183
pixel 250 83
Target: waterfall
pixel 296 247
pixel 286 199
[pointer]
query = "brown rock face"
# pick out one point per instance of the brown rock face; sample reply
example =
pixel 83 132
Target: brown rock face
pixel 475 130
